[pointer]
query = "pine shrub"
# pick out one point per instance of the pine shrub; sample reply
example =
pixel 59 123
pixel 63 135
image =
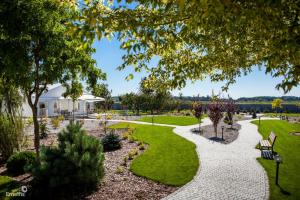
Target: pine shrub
pixel 111 141
pixel 18 161
pixel 75 165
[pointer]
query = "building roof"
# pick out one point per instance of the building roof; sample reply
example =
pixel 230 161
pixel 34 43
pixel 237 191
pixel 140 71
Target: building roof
pixel 56 92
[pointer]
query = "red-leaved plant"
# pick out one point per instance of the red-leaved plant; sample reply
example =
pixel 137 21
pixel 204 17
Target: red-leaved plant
pixel 230 107
pixel 215 113
pixel 198 111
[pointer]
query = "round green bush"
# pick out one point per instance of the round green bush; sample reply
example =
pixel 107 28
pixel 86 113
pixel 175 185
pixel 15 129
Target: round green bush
pixel 111 141
pixel 16 163
pixel 74 166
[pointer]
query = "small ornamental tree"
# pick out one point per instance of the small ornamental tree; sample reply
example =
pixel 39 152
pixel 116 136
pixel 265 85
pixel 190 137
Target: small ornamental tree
pixel 230 107
pixel 276 104
pixel 198 111
pixel 215 113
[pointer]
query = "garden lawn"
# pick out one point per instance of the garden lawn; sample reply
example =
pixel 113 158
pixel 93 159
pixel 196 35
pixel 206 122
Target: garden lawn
pixel 7 184
pixel 173 120
pixel 288 147
pixel 283 114
pixel 169 158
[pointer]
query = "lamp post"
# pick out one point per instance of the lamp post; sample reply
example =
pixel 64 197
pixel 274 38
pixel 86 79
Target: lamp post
pixel 222 131
pixel 278 160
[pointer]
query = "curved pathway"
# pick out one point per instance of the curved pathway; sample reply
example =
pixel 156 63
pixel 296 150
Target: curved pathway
pixel 227 171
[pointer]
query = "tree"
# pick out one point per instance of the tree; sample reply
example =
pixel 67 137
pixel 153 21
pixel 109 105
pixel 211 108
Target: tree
pixel 74 91
pixel 215 113
pixel 133 101
pixel 276 104
pixel 194 40
pixel 37 49
pixel 198 111
pixel 101 90
pixel 155 96
pixel 230 107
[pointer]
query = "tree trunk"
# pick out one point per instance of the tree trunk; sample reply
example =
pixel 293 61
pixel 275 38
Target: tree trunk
pixel 216 129
pixel 74 111
pixel 36 132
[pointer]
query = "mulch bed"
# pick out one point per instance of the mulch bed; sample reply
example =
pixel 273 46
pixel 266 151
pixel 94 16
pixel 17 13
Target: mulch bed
pixel 125 185
pixel 229 134
pixel 115 184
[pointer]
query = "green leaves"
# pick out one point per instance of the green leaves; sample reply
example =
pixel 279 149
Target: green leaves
pixel 216 39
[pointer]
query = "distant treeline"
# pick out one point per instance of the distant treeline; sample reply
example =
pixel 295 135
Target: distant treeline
pixel 266 108
pixel 242 99
pixel 268 98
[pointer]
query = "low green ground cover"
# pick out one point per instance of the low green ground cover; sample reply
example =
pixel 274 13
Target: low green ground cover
pixel 169 158
pixel 288 147
pixel 282 114
pixel 173 120
pixel 7 184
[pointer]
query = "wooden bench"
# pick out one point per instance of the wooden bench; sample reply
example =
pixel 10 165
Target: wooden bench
pixel 268 144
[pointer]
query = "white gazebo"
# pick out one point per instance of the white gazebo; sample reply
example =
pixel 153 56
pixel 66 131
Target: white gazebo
pixel 52 103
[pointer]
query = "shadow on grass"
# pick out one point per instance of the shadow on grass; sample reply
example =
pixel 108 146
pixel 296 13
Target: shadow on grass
pixel 283 191
pixel 7 187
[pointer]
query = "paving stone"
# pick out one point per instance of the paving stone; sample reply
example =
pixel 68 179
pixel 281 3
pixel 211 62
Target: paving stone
pixel 227 171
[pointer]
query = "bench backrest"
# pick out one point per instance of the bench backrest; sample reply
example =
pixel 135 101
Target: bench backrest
pixel 272 138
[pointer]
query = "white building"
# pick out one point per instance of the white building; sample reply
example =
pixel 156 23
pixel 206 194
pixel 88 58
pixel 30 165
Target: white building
pixel 52 103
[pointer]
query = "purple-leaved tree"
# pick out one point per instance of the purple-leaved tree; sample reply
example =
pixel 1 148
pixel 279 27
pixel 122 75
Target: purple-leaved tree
pixel 198 111
pixel 215 113
pixel 230 107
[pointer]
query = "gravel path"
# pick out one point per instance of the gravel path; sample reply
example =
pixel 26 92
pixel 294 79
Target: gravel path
pixel 226 171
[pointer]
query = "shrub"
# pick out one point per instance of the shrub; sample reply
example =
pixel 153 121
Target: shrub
pixel 226 120
pixel 125 159
pixel 125 136
pixel 130 139
pixel 61 118
pixel 16 163
pixel 111 141
pixel 11 134
pixel 132 153
pixel 119 170
pixel 29 121
pixel 254 115
pixel 142 146
pixel 55 122
pixel 75 165
pixel 44 130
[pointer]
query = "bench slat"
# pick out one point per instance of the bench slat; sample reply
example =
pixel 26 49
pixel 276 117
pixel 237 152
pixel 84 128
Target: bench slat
pixel 265 143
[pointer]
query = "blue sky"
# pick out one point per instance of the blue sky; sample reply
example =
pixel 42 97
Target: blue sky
pixel 109 56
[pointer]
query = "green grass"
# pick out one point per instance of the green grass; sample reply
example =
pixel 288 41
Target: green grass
pixel 173 120
pixel 283 114
pixel 7 184
pixel 288 147
pixel 169 158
